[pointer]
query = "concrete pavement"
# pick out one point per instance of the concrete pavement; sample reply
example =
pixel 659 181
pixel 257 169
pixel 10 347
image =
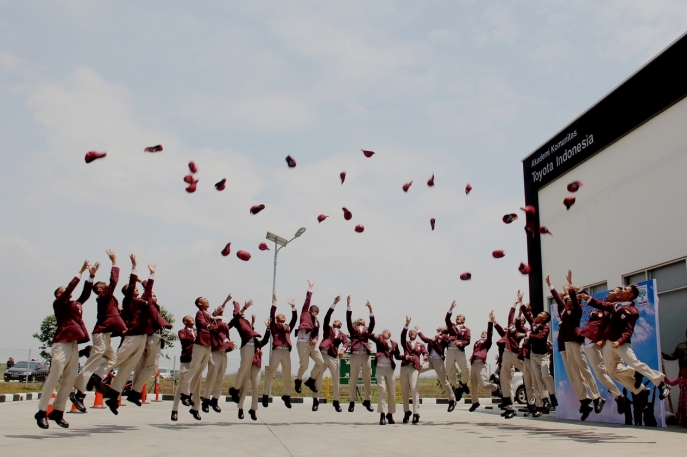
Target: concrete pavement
pixel 147 431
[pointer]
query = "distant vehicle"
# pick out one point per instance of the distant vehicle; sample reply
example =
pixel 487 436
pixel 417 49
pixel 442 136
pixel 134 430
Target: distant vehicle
pixel 27 371
pixel 517 385
pixel 165 373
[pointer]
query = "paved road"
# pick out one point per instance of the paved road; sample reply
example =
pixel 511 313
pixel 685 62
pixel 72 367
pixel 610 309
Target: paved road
pixel 147 431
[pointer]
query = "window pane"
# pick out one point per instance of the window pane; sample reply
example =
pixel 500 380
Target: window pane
pixel 672 313
pixel 635 278
pixel 551 301
pixel 598 288
pixel 671 276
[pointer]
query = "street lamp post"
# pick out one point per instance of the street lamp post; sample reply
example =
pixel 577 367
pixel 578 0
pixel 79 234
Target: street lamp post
pixel 279 243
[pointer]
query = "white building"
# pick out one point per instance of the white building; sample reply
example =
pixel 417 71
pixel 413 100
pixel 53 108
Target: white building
pixel 629 221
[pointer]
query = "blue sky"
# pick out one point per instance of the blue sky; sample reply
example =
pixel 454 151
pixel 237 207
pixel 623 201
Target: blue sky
pixel 462 90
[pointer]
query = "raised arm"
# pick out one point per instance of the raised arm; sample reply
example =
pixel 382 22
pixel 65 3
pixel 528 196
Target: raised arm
pixel 266 338
pixel 88 285
pixel 490 331
pixel 308 296
pixel 449 324
pixel 404 332
pixel 595 303
pixel 294 315
pixel 148 291
pixel 349 314
pixel 114 272
pixel 372 317
pixel 273 311
pixel 423 337
pixel 527 312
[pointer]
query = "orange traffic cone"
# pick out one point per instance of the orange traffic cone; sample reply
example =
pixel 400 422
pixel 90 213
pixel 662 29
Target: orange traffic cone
pixel 74 410
pixel 144 394
pixel 98 402
pixel 52 398
pixel 157 387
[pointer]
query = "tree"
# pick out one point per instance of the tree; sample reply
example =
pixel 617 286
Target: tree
pixel 46 335
pixel 168 336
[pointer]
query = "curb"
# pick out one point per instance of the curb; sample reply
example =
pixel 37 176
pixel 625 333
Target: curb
pixel 6 398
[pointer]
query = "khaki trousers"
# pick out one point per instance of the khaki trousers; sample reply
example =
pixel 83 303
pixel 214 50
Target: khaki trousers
pixel 64 365
pixel 247 353
pixel 627 355
pixel 386 390
pixel 307 351
pixel 101 349
pixel 543 381
pixel 457 357
pixel 254 385
pixel 128 356
pixel 360 361
pixel 332 364
pixel 533 397
pixel 437 365
pixel 183 372
pixel 409 377
pixel 578 388
pixel 280 356
pixel 148 365
pixel 215 377
pixel 579 361
pixel 596 362
pixel 200 359
pixel 509 361
pixel 479 378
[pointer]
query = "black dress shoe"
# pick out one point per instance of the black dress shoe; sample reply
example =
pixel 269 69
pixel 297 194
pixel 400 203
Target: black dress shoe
pixel 504 413
pixel 315 403
pixel 311 384
pixel 112 401
pixel 585 409
pixel 554 402
pixel 663 390
pixel 351 406
pixel 58 417
pixel 406 416
pixel 205 405
pixel 297 384
pixel 451 405
pixel 175 416
pixel 458 392
pixel 537 413
pixel 382 419
pixel 195 414
pixel 599 405
pixel 185 399
pixel 77 398
pixel 530 410
pixel 368 405
pixel 265 401
pixel 473 407
pixel 336 406
pixel 620 403
pixel 390 419
pixel 287 400
pixel 134 397
pixel 215 405
pixel 240 414
pixel 41 419
pixel 251 413
pixel 466 388
pixel 510 414
pixel 235 393
pixel 416 418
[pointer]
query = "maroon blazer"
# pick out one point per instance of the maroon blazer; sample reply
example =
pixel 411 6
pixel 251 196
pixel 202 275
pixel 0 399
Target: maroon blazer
pixel 511 334
pixel 218 336
pixel 412 356
pixel 136 309
pixel 524 352
pixel 598 321
pixel 481 347
pixel 109 319
pixel 621 324
pixel 308 321
pixel 203 322
pixel 383 349
pixel 438 343
pixel 242 325
pixel 186 338
pixel 359 339
pixel 259 344
pixel 538 336
pixel 153 318
pixel 330 343
pixel 68 314
pixel 460 332
pixel 570 314
pixel 281 333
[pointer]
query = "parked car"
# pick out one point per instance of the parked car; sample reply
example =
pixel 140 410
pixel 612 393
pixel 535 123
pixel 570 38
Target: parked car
pixel 517 385
pixel 31 371
pixel 165 373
